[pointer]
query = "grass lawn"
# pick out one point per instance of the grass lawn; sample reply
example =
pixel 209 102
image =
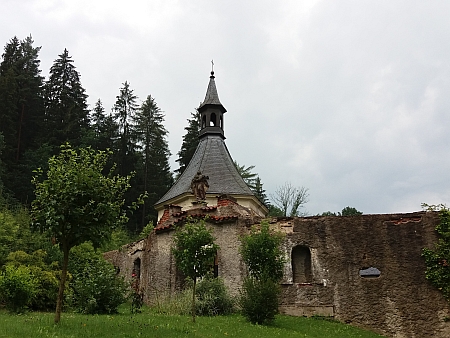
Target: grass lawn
pixel 149 324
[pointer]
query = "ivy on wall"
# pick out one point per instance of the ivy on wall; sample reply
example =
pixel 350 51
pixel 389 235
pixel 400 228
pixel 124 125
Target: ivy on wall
pixel 437 261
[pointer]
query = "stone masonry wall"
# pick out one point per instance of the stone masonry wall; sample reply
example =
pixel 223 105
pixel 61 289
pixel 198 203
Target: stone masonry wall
pixel 398 303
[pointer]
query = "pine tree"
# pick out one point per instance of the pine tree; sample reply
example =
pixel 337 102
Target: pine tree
pixel 104 128
pixel 190 142
pixel 152 137
pixel 21 110
pixel 259 192
pixel 124 111
pixel 66 113
pixel 247 175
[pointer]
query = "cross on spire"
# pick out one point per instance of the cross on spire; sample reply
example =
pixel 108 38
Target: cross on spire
pixel 212 65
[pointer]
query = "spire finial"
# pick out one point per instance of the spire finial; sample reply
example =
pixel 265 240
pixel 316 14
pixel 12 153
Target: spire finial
pixel 212 67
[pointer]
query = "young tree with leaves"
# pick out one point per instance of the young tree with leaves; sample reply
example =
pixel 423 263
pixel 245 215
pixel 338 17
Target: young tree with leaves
pixel 66 109
pixel 190 142
pixel 194 251
pixel 261 252
pixel 76 203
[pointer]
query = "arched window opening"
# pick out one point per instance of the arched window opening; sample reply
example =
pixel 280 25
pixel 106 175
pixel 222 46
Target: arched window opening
pixel 301 264
pixel 203 121
pixel 221 121
pixel 369 273
pixel 212 120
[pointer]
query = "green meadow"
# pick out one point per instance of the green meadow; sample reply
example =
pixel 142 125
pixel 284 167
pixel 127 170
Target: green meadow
pixel 150 324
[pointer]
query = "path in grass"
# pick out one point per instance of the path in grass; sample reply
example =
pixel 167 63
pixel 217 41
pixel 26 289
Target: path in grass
pixel 37 325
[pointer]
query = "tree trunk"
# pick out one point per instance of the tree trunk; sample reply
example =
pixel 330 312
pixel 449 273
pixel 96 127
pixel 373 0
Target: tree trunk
pixel 62 284
pixel 193 300
pixel 19 136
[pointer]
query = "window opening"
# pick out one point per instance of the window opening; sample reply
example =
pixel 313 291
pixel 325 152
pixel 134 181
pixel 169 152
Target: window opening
pixel 221 121
pixel 203 121
pixel 212 120
pixel 301 264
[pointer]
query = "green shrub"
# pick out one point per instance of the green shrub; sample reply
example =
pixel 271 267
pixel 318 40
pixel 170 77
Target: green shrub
pixel 262 254
pixel 98 289
pixel 45 275
pixel 212 298
pixel 17 287
pixel 259 300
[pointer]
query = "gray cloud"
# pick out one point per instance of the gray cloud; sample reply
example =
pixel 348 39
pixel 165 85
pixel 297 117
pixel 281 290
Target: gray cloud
pixel 346 98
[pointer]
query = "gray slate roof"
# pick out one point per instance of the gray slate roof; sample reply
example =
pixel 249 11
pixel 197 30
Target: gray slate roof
pixel 212 159
pixel 212 97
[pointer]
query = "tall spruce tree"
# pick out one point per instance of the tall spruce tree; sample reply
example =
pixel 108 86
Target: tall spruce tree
pixel 152 137
pixel 260 192
pixel 105 130
pixel 126 149
pixel 21 110
pixel 124 111
pixel 66 109
pixel 190 142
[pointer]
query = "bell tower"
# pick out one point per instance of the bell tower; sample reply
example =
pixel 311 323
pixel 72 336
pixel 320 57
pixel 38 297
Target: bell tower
pixel 211 112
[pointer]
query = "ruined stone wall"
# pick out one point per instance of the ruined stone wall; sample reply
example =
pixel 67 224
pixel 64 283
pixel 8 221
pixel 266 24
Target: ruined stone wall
pixel 398 303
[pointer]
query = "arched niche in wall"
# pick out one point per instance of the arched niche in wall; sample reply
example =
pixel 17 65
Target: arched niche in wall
pixel 301 264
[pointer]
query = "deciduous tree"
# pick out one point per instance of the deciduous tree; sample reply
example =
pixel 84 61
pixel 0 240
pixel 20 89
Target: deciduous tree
pixel 290 199
pixel 262 254
pixel 194 251
pixel 76 202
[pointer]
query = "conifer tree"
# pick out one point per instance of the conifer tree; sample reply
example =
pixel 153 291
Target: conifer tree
pixel 21 109
pixel 124 111
pixel 104 128
pixel 260 193
pixel 66 112
pixel 190 142
pixel 152 137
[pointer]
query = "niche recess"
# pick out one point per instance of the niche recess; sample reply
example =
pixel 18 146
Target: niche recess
pixel 301 264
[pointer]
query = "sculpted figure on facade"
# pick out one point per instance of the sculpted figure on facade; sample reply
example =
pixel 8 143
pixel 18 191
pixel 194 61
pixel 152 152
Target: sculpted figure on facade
pixel 199 185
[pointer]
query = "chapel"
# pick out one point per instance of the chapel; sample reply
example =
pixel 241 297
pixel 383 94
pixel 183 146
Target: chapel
pixel 212 164
pixel 366 270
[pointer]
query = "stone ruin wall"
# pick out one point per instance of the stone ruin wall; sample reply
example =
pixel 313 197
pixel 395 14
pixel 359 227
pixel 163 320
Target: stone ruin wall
pixel 398 303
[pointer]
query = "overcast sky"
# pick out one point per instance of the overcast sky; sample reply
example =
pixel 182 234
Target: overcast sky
pixel 350 99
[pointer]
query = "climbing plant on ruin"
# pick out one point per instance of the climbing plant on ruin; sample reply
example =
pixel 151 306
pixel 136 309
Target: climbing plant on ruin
pixel 437 260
